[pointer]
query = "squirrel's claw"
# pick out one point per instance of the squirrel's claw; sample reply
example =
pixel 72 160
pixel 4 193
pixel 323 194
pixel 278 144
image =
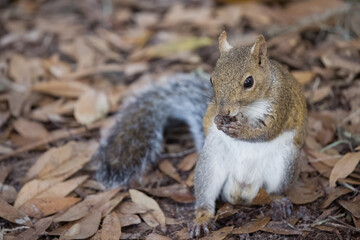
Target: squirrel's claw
pixel 202 224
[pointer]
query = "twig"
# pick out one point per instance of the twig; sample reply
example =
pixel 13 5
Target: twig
pixel 326 220
pixel 349 187
pixel 344 224
pixel 334 144
pixel 53 138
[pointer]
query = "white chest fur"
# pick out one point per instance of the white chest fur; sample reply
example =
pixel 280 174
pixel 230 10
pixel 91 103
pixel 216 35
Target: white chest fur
pixel 244 167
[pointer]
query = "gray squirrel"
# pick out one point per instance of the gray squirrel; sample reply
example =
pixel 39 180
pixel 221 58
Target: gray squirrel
pixel 252 112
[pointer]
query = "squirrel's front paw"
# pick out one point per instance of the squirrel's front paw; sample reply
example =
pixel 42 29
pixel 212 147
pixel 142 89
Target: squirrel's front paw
pixel 231 129
pixel 202 224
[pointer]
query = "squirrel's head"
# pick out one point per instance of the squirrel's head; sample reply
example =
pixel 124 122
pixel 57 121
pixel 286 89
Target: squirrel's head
pixel 241 76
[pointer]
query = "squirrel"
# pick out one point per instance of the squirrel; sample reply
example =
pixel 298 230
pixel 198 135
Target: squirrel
pixel 252 112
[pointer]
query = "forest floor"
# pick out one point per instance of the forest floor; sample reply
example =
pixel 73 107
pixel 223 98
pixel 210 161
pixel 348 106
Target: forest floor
pixel 66 66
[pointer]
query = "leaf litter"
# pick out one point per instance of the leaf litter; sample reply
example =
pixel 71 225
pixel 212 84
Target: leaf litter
pixel 64 74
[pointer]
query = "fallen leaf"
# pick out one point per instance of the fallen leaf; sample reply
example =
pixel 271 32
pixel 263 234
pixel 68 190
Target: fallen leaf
pixel 352 205
pixel 344 167
pixel 12 214
pixel 30 129
pixel 252 226
pixel 299 193
pixel 303 77
pixel 261 198
pixel 155 236
pixel 91 106
pixel 84 228
pixel 128 219
pixel 38 229
pixel 177 192
pixel 188 162
pixel 140 198
pixel 334 194
pixel 69 89
pixel 8 193
pixel 113 203
pixel 90 204
pixel 132 208
pixel 111 228
pixel 42 207
pixel 219 234
pixel 320 94
pixel 167 168
pixel 225 211
pixel 281 228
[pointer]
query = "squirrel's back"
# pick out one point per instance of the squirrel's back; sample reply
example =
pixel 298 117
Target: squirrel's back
pixel 136 139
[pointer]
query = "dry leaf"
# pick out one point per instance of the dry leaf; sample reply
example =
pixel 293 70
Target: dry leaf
pixel 38 229
pixel 352 205
pixel 128 219
pixel 281 228
pixel 132 208
pixel 252 226
pixel 90 204
pixel 13 215
pixel 334 194
pixel 320 94
pixel 91 106
pixel 70 89
pixel 84 228
pixel 261 198
pixel 167 168
pixel 114 202
pixel 177 192
pixel 219 234
pixel 30 129
pixel 188 162
pixel 300 193
pixel 140 198
pixel 225 211
pixel 344 167
pixel 155 236
pixel 303 77
pixel 111 228
pixel 8 193
pixel 42 207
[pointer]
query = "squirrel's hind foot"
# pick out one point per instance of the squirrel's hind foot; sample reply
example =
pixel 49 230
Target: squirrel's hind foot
pixel 202 224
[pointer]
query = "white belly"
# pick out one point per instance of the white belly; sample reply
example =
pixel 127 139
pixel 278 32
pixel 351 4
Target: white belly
pixel 248 165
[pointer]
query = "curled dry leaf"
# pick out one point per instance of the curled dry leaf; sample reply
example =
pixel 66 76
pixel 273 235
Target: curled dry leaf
pixel 252 226
pixel 188 162
pixel 12 214
pixel 219 234
pixel 84 228
pixel 344 167
pixel 167 168
pixel 92 203
pixel 225 211
pixel 140 198
pixel 70 89
pixel 41 207
pixel 111 228
pixel 30 129
pixel 91 106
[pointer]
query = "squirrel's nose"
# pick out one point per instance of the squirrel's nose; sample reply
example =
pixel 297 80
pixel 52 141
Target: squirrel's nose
pixel 224 111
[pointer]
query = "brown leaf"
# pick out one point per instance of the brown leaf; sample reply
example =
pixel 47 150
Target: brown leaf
pixel 113 203
pixel 38 229
pixel 41 207
pixel 155 236
pixel 62 189
pixel 30 129
pixel 84 228
pixel 303 77
pixel 344 167
pixel 188 162
pixel 225 211
pixel 352 205
pixel 128 219
pixel 320 94
pixel 261 198
pixel 132 208
pixel 13 215
pixel 281 228
pixel 8 193
pixel 219 234
pixel 177 192
pixel 299 193
pixel 91 106
pixel 25 71
pixel 70 89
pixel 334 194
pixel 90 204
pixel 333 60
pixel 111 228
pixel 167 168
pixel 140 198
pixel 253 226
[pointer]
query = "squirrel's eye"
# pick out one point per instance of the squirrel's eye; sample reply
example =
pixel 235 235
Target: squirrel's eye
pixel 211 81
pixel 249 82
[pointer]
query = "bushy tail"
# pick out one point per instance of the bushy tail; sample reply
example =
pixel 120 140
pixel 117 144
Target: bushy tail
pixel 137 137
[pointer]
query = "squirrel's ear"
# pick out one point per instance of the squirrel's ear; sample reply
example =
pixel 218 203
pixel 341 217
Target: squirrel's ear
pixel 259 49
pixel 224 46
